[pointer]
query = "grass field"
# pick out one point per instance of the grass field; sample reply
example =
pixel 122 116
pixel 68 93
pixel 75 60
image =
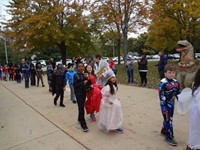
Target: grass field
pixel 152 74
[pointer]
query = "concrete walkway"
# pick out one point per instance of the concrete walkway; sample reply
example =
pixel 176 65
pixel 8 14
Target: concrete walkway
pixel 30 121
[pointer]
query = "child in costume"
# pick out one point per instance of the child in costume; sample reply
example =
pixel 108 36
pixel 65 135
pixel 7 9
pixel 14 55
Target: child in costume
pixel 58 84
pixel 110 115
pixel 168 90
pixel 194 126
pixel 94 95
pixel 80 80
pixel 70 79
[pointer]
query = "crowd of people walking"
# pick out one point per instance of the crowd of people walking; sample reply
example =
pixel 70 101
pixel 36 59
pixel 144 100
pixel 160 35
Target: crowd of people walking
pixel 93 87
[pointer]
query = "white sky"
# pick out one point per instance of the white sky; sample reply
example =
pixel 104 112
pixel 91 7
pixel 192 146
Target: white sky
pixel 4 15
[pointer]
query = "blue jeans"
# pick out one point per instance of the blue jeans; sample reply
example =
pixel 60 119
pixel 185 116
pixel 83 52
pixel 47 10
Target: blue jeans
pixel 72 94
pixel 130 76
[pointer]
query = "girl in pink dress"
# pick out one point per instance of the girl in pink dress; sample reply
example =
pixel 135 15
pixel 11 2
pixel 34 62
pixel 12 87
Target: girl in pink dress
pixel 94 96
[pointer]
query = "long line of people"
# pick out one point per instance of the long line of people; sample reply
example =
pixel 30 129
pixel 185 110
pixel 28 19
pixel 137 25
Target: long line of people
pixel 93 87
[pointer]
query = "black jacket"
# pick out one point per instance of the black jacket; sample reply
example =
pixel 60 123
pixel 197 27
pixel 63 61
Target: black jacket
pixel 58 81
pixel 142 65
pixel 79 83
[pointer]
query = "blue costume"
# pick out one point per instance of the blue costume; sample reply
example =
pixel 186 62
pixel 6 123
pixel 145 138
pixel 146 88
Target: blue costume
pixel 70 79
pixel 168 91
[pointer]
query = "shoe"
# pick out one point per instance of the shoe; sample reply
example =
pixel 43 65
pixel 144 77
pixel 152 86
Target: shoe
pixel 84 128
pixel 93 118
pixel 62 105
pixel 163 132
pixel 74 101
pixel 119 130
pixel 171 141
pixel 43 85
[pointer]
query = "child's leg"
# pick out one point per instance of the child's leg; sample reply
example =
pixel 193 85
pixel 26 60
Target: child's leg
pixel 81 113
pixel 141 78
pixel 171 114
pixel 168 121
pixel 61 97
pixel 72 94
pixel 38 80
pixel 41 77
pixel 92 116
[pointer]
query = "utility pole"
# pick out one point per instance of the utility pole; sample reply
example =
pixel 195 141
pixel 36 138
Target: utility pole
pixel 6 52
pixel 5 46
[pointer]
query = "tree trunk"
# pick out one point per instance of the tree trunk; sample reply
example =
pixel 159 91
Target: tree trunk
pixel 118 50
pixel 63 52
pixel 125 47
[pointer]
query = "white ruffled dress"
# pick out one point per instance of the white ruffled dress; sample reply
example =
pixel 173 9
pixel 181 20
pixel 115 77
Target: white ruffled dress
pixel 194 129
pixel 111 117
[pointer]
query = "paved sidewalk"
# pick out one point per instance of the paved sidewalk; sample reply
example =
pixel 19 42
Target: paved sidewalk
pixel 29 120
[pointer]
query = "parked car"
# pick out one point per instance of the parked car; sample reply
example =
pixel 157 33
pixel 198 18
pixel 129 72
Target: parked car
pixel 136 57
pixel 155 57
pixel 197 55
pixel 176 56
pixel 148 56
pixel 43 62
pixel 170 56
pixel 105 58
pixel 67 62
pixel 34 62
pixel 115 59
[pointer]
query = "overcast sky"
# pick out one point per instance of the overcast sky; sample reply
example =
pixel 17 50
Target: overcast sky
pixel 3 9
pixel 4 15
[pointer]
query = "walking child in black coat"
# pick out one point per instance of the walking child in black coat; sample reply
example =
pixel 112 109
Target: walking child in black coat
pixel 80 82
pixel 58 84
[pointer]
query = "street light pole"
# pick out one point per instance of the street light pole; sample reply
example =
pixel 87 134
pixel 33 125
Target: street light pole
pixel 5 46
pixel 6 52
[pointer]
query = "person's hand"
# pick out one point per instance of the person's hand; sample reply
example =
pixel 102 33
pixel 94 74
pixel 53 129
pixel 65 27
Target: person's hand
pixel 85 81
pixel 86 75
pixel 101 76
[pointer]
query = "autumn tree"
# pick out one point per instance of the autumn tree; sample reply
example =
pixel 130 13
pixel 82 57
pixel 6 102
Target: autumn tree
pixel 39 24
pixel 173 21
pixel 123 17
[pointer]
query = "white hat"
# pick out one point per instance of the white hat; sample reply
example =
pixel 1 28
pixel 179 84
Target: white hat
pixel 109 74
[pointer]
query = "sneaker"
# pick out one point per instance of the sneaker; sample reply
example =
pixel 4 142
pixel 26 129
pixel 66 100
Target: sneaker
pixel 163 132
pixel 171 141
pixel 74 101
pixel 55 102
pixel 120 130
pixel 84 128
pixel 93 118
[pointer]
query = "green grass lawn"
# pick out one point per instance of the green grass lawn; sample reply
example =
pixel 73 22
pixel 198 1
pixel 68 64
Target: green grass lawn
pixel 152 74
